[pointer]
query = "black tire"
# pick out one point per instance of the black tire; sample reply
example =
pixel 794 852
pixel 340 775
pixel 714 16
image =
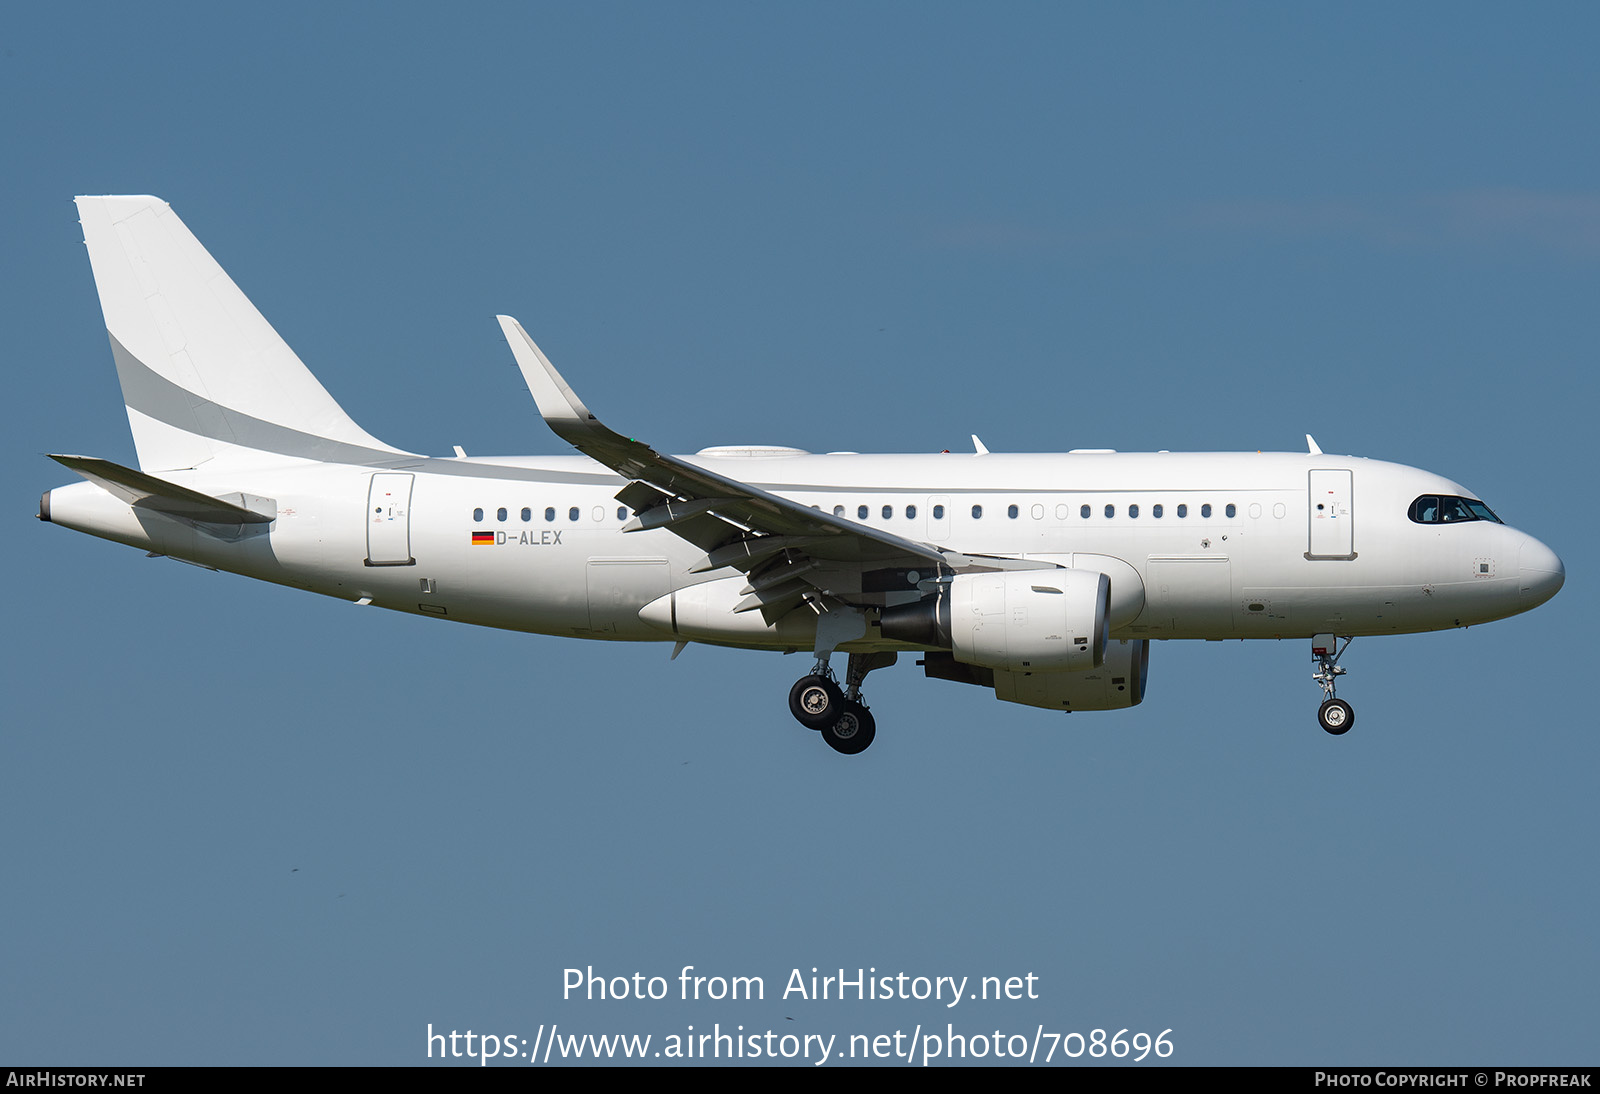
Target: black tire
pixel 854 730
pixel 815 701
pixel 1336 716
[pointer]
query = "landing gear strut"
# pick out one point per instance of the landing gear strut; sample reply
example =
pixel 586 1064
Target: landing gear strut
pixel 1335 715
pixel 817 702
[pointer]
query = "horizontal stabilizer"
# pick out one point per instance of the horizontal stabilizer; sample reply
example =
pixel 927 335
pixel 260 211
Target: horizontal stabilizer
pixel 168 498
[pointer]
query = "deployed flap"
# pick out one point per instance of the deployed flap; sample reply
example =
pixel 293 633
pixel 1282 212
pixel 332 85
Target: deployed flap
pixel 741 506
pixel 158 495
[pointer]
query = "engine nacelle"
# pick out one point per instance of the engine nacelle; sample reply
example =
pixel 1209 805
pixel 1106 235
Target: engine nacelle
pixel 1048 621
pixel 1114 685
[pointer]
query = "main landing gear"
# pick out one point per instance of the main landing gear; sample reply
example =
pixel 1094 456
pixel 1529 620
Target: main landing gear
pixel 817 702
pixel 1335 715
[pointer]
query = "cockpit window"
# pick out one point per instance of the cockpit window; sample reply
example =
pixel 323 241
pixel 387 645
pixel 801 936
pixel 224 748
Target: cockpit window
pixel 1444 509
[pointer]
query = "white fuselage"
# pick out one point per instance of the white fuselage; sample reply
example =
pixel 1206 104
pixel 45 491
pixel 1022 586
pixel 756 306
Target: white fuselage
pixel 1200 546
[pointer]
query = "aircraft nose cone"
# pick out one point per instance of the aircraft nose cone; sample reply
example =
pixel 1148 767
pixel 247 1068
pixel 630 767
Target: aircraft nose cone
pixel 1542 572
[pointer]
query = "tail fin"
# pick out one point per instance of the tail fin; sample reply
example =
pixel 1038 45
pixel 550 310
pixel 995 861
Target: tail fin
pixel 203 374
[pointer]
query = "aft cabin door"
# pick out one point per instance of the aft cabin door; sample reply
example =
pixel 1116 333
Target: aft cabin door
pixel 1332 532
pixel 389 521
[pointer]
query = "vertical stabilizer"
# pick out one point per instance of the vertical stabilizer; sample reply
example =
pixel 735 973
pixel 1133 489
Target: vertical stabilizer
pixel 203 374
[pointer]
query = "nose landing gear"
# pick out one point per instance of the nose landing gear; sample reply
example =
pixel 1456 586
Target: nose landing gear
pixel 1335 715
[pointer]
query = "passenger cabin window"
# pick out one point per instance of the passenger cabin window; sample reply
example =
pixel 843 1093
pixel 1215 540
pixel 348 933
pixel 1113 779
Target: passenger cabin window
pixel 938 512
pixel 572 514
pixel 1445 509
pixel 1205 510
pixel 622 512
pixel 1083 511
pixel 1155 511
pixel 1183 511
pixel 1230 510
pixel 1133 511
pixel 550 514
pixel 500 514
pixel 861 512
pixel 888 511
pixel 838 510
pixel 1111 510
pixel 477 514
pixel 527 515
pixel 977 512
pixel 1011 511
pixel 911 512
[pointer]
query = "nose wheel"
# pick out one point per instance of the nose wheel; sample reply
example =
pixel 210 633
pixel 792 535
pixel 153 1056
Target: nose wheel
pixel 1334 715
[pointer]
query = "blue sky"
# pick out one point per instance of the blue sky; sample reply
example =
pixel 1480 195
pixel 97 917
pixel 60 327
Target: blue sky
pixel 247 825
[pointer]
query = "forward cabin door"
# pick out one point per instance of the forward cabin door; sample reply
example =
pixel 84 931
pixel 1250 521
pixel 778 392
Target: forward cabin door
pixel 1332 528
pixel 389 520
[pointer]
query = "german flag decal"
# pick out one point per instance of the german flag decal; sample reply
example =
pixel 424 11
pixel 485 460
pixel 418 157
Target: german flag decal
pixel 483 539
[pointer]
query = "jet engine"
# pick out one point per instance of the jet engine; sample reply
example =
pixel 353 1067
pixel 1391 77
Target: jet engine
pixel 1034 621
pixel 1116 684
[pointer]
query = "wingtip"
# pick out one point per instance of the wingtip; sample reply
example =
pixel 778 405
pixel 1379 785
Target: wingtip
pixel 555 399
pixel 121 204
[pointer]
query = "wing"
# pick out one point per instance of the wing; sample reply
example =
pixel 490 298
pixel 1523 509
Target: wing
pixel 792 552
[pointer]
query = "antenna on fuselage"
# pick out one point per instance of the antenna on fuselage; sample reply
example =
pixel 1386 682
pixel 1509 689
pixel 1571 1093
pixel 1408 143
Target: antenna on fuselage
pixel 1311 445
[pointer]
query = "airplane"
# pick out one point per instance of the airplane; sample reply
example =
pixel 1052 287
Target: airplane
pixel 1042 577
